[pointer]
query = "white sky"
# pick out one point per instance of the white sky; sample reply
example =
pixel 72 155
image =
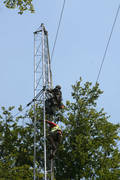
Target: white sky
pixel 81 43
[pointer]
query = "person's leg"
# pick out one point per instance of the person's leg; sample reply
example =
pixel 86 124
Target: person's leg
pixel 51 140
pixel 56 143
pixel 53 152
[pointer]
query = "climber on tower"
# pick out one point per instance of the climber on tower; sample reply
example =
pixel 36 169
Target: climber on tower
pixel 54 136
pixel 54 101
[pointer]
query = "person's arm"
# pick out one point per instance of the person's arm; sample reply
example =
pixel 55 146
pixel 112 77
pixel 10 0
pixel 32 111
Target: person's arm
pixel 51 123
pixel 62 106
pixel 49 90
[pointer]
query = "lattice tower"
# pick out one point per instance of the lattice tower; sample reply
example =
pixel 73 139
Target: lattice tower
pixel 42 81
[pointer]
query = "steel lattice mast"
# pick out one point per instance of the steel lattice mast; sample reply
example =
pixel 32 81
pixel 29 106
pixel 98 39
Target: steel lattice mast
pixel 42 81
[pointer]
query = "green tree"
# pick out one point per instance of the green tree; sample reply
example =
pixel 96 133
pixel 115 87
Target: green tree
pixel 22 5
pixel 90 141
pixel 16 147
pixel 89 148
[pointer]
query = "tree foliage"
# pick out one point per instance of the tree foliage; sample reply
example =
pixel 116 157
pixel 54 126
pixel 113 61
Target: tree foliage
pixel 16 147
pixel 22 5
pixel 89 148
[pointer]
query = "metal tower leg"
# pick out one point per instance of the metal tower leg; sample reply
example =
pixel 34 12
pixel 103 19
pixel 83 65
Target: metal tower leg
pixel 52 170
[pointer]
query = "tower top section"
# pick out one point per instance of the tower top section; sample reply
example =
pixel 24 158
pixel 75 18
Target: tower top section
pixel 40 29
pixel 42 65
